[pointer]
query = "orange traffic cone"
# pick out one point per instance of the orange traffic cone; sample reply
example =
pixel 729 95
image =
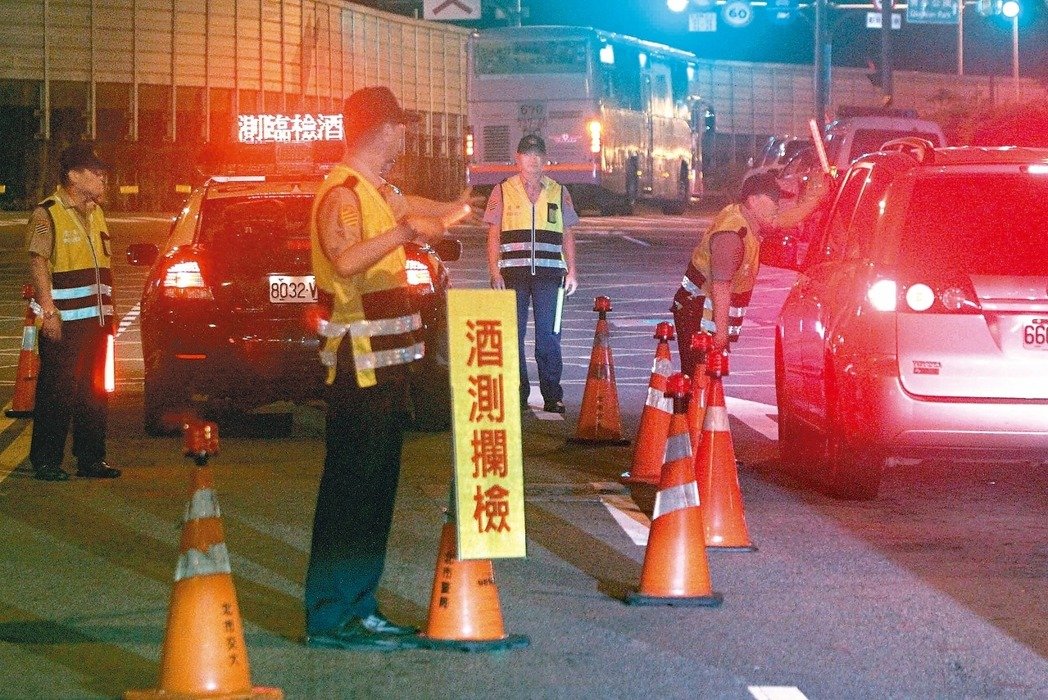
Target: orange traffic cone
pixel 655 417
pixel 464 612
pixel 716 470
pixel 675 570
pixel 204 655
pixel 599 420
pixel 701 343
pixel 24 400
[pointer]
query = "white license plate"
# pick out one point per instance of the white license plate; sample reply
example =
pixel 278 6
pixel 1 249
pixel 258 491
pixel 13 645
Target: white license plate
pixel 285 289
pixel 1035 334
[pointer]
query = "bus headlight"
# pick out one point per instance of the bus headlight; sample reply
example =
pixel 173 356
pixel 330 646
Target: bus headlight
pixel 594 128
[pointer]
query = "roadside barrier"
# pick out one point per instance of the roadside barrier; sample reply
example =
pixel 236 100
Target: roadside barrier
pixel 24 400
pixel 717 471
pixel 599 420
pixel 655 417
pixel 204 654
pixel 676 571
pixel 701 344
pixel 464 611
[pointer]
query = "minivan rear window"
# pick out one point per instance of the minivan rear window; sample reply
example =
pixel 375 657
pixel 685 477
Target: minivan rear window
pixel 979 224
pixel 870 140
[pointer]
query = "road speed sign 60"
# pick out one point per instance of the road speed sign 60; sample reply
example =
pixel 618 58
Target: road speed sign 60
pixel 738 13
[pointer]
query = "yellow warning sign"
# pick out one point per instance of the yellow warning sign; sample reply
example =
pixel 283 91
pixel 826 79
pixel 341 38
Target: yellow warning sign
pixel 485 395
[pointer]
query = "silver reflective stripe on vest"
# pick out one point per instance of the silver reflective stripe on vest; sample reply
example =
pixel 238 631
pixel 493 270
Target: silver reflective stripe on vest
pixel 677 447
pixel 676 498
pixel 203 504
pixel 88 312
pixel 690 287
pixel 80 292
pixel 387 358
pixel 381 326
pixel 514 247
pixel 527 262
pixel 215 560
pixel 716 419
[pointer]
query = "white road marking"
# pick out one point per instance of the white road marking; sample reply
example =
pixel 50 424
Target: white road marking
pixel 633 522
pixel 776 692
pixel 639 242
pixel 756 415
pixel 129 318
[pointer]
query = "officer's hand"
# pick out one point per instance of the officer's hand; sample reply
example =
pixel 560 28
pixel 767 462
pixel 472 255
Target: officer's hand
pixel 52 328
pixel 570 285
pixel 497 282
pixel 429 228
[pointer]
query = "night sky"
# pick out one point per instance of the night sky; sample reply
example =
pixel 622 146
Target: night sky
pixel 932 48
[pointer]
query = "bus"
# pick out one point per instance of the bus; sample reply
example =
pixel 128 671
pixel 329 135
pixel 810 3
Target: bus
pixel 615 112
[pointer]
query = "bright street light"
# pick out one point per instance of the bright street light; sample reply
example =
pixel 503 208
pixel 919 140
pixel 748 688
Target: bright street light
pixel 1010 9
pixel 677 5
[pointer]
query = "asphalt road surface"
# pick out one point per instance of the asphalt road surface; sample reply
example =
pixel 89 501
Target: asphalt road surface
pixel 938 588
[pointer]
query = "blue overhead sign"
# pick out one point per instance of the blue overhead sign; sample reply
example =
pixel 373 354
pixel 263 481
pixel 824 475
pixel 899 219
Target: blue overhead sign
pixel 931 12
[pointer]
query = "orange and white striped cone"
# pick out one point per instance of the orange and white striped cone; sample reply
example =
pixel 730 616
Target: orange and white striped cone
pixel 676 571
pixel 701 343
pixel 717 471
pixel 599 419
pixel 464 611
pixel 204 654
pixel 655 417
pixel 24 400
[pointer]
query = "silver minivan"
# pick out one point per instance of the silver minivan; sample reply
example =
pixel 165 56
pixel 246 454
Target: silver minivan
pixel 918 325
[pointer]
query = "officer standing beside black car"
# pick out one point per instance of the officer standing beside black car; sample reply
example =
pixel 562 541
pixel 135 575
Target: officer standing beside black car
pixel 70 270
pixel 358 226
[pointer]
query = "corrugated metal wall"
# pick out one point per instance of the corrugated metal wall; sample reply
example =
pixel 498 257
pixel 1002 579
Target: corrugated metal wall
pixel 105 70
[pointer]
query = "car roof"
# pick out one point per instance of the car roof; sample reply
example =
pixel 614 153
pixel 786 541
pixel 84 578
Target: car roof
pixel 220 187
pixel 908 155
pixel 882 122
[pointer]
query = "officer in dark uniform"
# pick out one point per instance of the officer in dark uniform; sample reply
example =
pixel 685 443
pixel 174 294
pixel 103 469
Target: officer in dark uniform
pixel 69 267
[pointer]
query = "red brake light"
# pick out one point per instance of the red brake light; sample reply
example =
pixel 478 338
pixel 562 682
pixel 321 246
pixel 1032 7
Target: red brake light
pixel 184 280
pixel 419 275
pixel 950 294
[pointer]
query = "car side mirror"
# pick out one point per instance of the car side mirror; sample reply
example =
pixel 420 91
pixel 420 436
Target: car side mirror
pixel 141 254
pixel 449 249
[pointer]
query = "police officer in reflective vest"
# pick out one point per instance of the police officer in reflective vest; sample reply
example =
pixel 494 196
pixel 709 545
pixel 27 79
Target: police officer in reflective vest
pixel 531 250
pixel 718 282
pixel 69 267
pixel 372 333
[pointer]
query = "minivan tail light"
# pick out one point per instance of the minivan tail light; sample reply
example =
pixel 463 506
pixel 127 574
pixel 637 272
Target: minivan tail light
pixel 419 274
pixel 953 294
pixel 184 280
pixel 883 295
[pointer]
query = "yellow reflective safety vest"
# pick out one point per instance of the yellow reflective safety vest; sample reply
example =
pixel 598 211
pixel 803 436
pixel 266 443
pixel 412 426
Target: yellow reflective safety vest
pixel 532 235
pixel 81 267
pixel 376 308
pixel 697 279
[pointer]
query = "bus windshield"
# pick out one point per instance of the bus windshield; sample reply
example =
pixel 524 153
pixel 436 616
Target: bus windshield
pixel 530 57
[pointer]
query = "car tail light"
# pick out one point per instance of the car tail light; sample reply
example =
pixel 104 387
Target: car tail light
pixel 184 280
pixel 952 294
pixel 883 294
pixel 468 144
pixel 419 275
pixel 594 128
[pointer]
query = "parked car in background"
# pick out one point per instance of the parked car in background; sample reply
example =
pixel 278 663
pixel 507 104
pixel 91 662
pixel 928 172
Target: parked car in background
pixel 229 309
pixel 777 151
pixel 918 325
pixel 852 137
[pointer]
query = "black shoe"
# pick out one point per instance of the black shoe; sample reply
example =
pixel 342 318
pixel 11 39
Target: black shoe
pixel 48 472
pixel 553 407
pixel 98 470
pixel 371 633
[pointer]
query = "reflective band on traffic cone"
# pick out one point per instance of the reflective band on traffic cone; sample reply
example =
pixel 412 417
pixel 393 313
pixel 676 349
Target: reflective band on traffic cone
pixel 599 419
pixel 701 344
pixel 464 611
pixel 204 654
pixel 676 571
pixel 717 472
pixel 655 417
pixel 24 400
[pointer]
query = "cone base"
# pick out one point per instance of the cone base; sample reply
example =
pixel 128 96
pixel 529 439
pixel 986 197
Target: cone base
pixel 628 478
pixel 11 413
pixel 705 601
pixel 731 548
pixel 511 641
pixel 159 694
pixel 598 441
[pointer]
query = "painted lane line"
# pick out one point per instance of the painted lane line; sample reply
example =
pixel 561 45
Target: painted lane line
pixel 756 415
pixel 15 453
pixel 633 522
pixel 128 319
pixel 776 692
